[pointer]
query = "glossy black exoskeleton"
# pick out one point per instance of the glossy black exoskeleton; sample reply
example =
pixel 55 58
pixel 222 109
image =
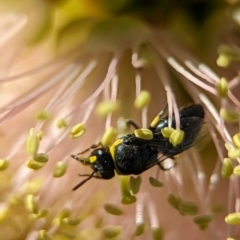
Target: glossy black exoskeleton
pixel 191 121
pixel 133 155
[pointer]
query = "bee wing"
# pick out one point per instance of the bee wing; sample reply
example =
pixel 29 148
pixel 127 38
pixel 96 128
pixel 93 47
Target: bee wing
pixel 193 133
pixel 155 160
pixel 168 151
pixel 166 148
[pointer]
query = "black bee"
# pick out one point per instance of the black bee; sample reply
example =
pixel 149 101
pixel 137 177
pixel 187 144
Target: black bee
pixel 133 155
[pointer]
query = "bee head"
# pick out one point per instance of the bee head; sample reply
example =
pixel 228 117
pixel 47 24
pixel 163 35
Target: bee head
pixel 101 162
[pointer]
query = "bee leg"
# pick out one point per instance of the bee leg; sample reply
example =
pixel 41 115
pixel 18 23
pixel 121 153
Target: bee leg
pixel 160 166
pixel 157 172
pixel 130 122
pixel 163 111
pixel 165 168
pixel 88 175
pixel 91 147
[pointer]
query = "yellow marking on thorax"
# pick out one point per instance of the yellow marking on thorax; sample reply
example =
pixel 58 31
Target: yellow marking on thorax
pixel 112 148
pixel 92 159
pixel 155 121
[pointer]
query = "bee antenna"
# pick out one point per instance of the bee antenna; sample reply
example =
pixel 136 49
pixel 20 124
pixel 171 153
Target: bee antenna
pixel 82 182
pixel 76 157
pixel 81 159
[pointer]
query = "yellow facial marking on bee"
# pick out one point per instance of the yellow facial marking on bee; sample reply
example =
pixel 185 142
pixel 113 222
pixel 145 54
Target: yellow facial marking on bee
pixel 112 148
pixel 92 159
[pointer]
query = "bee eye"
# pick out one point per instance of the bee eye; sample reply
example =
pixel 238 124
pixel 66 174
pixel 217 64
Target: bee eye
pixel 101 152
pixel 98 152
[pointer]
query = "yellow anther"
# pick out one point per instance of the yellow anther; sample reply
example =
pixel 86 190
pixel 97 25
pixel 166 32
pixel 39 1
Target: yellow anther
pixel 228 146
pixel 135 184
pixel 32 143
pixel 140 228
pixel 127 197
pixel 176 137
pixel 234 153
pixel 60 169
pixel 98 223
pixel 113 209
pixel 30 204
pixel 142 99
pixel 43 235
pixel 71 221
pixel 215 209
pixel 43 115
pixel 41 157
pixel 223 61
pixel 154 182
pixel 236 170
pixel 65 213
pixel 40 135
pixel 227 168
pixel 41 214
pixel 222 88
pixel 34 164
pixel 157 233
pixel 203 221
pixel 229 115
pixel 174 201
pixel 233 219
pixel 143 134
pixel 236 139
pixel 129 200
pixel 15 200
pixel 106 107
pixel 61 123
pixel 4 163
pixel 78 130
pixel 112 232
pixel 124 182
pixel 4 213
pixel 227 55
pixel 109 136
pixel 187 208
pixel 167 131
